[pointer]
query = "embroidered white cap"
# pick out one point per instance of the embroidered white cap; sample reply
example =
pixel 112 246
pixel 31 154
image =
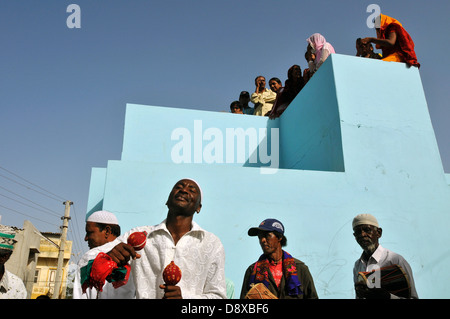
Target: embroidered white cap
pixel 364 219
pixel 103 217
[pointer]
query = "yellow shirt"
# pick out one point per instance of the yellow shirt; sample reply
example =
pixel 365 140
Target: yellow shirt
pixel 263 101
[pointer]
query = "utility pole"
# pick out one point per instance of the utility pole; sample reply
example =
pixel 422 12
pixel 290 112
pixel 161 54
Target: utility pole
pixel 62 244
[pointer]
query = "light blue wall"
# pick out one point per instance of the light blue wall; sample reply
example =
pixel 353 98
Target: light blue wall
pixel 150 134
pixel 358 138
pixel 96 190
pixel 310 127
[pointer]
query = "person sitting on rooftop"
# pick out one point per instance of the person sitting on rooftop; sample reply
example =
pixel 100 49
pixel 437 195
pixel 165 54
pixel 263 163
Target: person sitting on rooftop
pixel 263 98
pixel 318 45
pixel 244 98
pixel 308 72
pixel 365 50
pixel 275 84
pixel 395 43
pixel 286 94
pixel 236 107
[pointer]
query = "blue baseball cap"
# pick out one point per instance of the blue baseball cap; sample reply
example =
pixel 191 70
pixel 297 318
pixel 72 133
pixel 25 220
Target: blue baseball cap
pixel 269 224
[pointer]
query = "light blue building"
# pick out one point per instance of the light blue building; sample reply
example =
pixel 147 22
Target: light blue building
pixel 357 139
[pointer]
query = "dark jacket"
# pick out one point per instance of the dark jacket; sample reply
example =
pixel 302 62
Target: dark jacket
pixel 304 276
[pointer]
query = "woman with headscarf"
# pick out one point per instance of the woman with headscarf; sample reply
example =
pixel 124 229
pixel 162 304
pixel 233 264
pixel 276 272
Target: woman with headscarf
pixel 318 45
pixel 286 94
pixel 394 41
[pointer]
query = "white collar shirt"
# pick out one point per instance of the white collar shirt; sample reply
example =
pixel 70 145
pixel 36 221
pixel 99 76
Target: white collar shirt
pixel 199 254
pixel 383 257
pixel 126 291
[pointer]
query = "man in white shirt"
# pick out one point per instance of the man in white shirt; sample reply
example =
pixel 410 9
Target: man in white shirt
pixel 102 229
pixel 374 257
pixel 198 253
pixel 11 286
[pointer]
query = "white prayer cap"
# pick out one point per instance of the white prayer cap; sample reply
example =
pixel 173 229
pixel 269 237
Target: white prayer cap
pixel 364 219
pixel 103 217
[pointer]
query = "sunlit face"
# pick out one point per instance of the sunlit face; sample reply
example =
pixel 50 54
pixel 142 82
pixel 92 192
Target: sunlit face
pixel 185 197
pixel 274 85
pixel 94 236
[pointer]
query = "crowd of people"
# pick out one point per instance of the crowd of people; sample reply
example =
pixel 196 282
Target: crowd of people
pixel 200 256
pixel 393 40
pixel 112 268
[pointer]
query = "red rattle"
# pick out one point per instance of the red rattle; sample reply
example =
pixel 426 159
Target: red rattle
pixel 137 240
pixel 171 274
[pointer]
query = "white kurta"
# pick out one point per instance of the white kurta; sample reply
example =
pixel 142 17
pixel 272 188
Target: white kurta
pixel 199 254
pixel 383 257
pixel 108 291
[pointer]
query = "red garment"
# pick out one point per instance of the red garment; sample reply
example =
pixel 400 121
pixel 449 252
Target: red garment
pixel 404 44
pixel 277 272
pixel 103 269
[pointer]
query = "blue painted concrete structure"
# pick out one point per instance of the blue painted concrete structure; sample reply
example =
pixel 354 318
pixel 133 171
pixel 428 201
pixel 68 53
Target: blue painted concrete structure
pixel 358 138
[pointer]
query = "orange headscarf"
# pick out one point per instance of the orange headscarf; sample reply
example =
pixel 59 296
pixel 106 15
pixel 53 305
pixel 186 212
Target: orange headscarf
pixel 403 50
pixel 385 21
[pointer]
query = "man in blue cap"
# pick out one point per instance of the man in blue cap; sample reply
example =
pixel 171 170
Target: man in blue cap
pixel 283 275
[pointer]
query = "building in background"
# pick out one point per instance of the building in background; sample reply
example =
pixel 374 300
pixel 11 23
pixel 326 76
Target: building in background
pixel 23 260
pixel 35 260
pixel 47 264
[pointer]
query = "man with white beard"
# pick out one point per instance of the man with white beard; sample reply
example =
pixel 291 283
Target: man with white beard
pixel 375 257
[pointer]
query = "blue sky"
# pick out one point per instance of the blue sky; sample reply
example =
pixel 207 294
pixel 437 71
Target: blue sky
pixel 63 91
